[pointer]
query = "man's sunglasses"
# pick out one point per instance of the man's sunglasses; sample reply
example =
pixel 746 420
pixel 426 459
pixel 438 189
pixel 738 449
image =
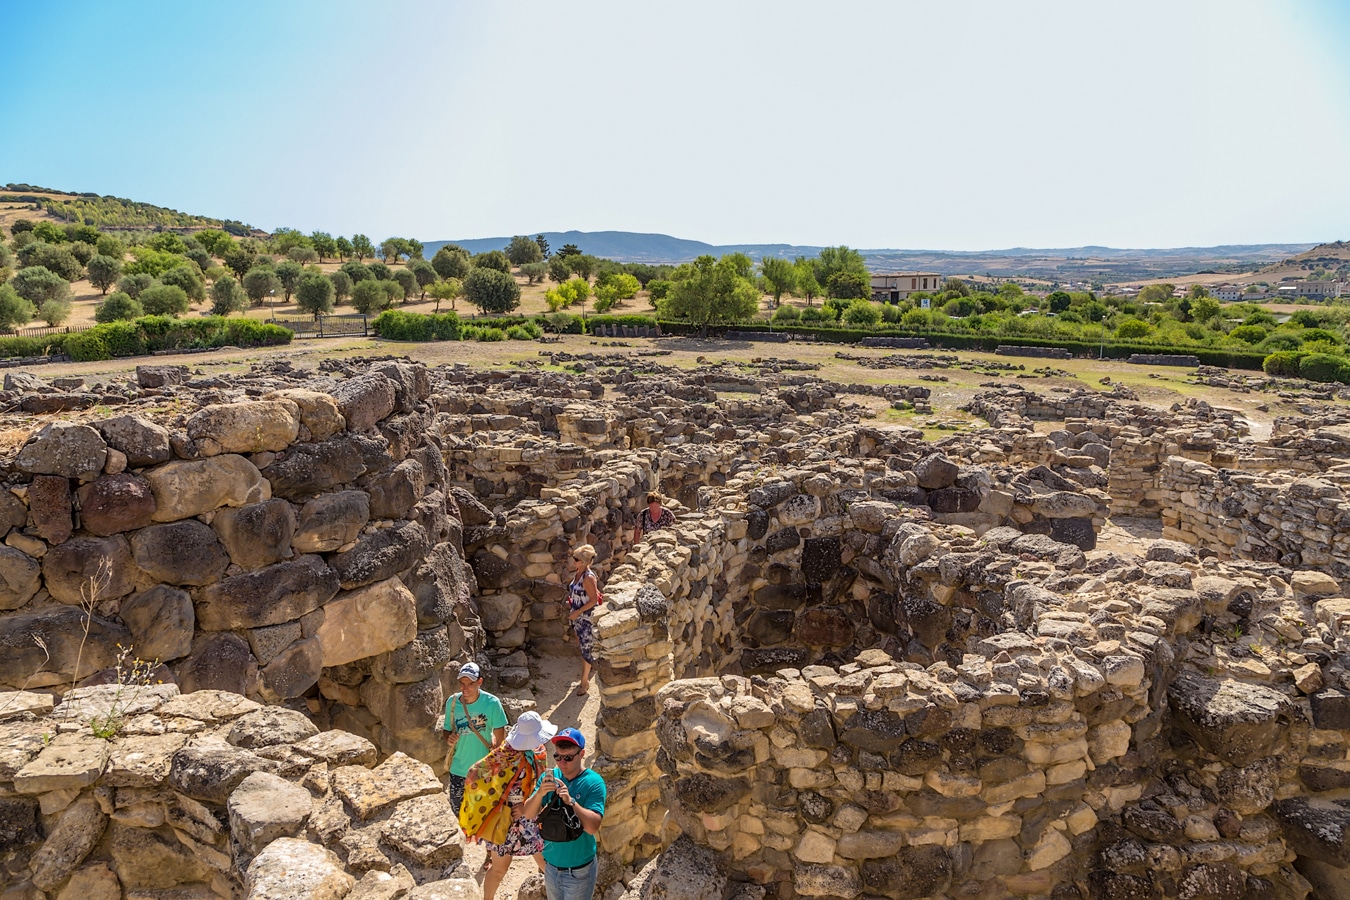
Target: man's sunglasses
pixel 566 757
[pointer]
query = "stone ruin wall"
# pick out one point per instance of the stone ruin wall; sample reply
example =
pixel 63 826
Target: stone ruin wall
pixel 269 539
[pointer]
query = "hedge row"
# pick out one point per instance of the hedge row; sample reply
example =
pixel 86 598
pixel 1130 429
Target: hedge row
pixel 153 333
pixel 49 345
pixel 397 325
pixel 1233 359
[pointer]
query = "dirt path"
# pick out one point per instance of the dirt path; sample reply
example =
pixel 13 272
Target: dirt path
pixel 553 690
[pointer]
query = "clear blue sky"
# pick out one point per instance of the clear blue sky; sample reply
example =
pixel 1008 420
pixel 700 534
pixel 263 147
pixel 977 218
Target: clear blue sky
pixel 966 124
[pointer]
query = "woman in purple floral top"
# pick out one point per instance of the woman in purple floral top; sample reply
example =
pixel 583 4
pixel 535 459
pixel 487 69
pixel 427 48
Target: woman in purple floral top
pixel 653 517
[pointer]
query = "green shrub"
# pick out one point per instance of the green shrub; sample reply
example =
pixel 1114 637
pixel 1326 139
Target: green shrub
pixel 32 346
pixel 565 323
pixel 470 333
pixel 1282 364
pixel 787 314
pixel 862 314
pixel 397 325
pixel 151 333
pixel 1248 334
pixel 492 334
pixel 1324 367
pixel 814 314
pixel 1281 340
pixel 518 333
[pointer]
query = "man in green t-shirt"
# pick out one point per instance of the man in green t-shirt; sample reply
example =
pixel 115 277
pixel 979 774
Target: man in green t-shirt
pixel 570 868
pixel 480 721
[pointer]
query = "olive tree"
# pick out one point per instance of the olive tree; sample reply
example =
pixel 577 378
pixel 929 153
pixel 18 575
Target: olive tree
pixel 118 307
pixel 492 291
pixel 227 297
pixel 315 294
pixel 164 300
pixel 14 309
pixel 104 272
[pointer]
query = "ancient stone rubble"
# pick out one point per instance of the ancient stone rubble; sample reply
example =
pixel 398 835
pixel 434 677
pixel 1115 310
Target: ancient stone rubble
pixel 861 664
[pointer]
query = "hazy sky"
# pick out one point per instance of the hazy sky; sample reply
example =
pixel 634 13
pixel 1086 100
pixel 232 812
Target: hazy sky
pixel 961 124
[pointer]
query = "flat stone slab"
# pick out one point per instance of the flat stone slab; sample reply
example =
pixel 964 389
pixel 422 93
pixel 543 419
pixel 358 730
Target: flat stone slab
pixel 101 701
pixel 426 829
pixel 209 706
pixel 292 869
pixel 400 777
pixel 340 748
pixel 142 760
pixel 16 703
pixel 69 761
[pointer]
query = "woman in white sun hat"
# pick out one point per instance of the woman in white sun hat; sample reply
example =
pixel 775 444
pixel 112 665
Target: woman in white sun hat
pixel 494 798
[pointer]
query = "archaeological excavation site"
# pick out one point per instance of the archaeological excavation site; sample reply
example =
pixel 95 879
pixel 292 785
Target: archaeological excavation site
pixel 1087 649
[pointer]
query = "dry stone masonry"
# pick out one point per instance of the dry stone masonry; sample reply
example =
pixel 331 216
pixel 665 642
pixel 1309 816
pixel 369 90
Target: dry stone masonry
pixel 861 665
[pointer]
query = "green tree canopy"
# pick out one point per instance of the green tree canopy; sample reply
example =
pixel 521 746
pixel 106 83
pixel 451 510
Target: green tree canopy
pixel 82 252
pixel 260 283
pixel 407 279
pixel 342 247
pixel 167 242
pixel 284 240
pixel 356 271
pixel 780 276
pixel 109 245
pixel 290 273
pixel 523 250
pixel 492 259
pixel 117 308
pixel 164 300
pixel 215 241
pixel 104 272
pixel 303 255
pixel 53 257
pixel 835 260
pixel 1156 293
pixel 492 290
pixel 240 258
pixel 14 309
pixel 315 294
pixel 227 297
pixel 559 269
pixel 38 284
pixel 189 279
pixel 323 245
pixel 379 271
pixel 804 272
pixel 134 284
pixel 362 247
pixel 425 275
pixel 848 285
pixel 535 271
pixel 368 296
pixel 569 250
pixel 54 312
pixel 711 292
pixel 342 286
pixel 446 289
pixel 451 262
pixel 542 243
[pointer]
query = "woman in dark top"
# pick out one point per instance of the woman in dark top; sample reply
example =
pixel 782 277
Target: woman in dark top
pixel 653 517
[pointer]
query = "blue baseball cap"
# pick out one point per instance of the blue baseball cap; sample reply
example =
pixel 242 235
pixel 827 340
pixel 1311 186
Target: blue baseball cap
pixel 570 736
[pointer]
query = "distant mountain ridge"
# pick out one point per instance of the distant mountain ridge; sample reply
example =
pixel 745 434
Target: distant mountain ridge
pixel 1055 264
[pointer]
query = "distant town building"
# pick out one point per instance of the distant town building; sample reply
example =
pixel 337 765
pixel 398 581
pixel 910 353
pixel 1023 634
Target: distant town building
pixel 1226 292
pixel 1318 290
pixel 896 286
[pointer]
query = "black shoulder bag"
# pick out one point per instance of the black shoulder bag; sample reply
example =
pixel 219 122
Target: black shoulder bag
pixel 558 822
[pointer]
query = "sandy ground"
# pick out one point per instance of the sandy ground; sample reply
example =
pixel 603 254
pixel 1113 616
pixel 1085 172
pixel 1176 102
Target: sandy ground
pixel 553 689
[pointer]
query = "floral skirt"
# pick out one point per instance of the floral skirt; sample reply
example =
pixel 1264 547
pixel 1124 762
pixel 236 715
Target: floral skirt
pixel 522 838
pixel 585 632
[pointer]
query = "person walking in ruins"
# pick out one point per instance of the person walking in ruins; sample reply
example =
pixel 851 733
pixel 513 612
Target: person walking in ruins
pixel 474 723
pixel 653 517
pixel 569 803
pixel 493 812
pixel 583 595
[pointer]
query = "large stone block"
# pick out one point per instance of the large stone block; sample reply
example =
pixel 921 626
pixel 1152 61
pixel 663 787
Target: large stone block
pixel 295 669
pixel 912 873
pixel 331 521
pixel 936 471
pixel 65 449
pixel 398 778
pixel 220 662
pixel 116 503
pixel 20 578
pixel 81 566
pixel 61 631
pixel 187 488
pixel 318 412
pixel 80 827
pixel 295 869
pixel 153 860
pixel 256 535
pixel 279 593
pixel 161 621
pixel 244 427
pixel 365 400
pixel 394 493
pixel 382 555
pixel 425 655
pixel 308 470
pixel 180 553
pixel 405 708
pixel 143 443
pixel 368 621
pixel 211 771
pixel 49 508
pixel 1237 722
pixel 265 807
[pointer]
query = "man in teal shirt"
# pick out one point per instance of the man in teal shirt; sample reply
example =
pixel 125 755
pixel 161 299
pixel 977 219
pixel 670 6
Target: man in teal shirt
pixel 570 867
pixel 479 720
